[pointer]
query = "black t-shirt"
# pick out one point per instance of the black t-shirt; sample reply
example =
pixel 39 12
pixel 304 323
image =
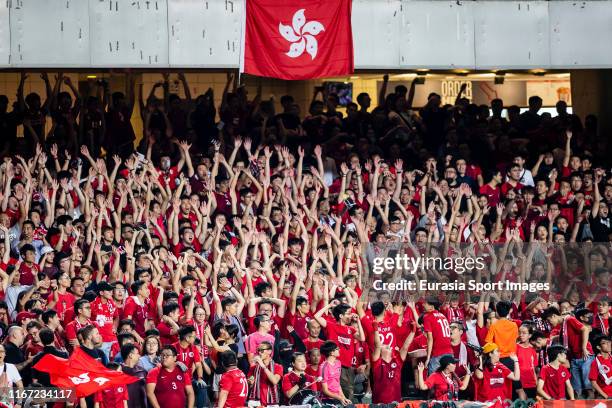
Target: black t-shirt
pixel 601 228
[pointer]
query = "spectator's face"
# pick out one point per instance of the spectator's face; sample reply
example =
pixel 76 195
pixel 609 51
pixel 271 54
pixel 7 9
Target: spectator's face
pixel 575 163
pixel 461 166
pixel 515 173
pixel 78 288
pixel 165 163
pixel 28 231
pixel 450 173
pixel 541 187
pixel 603 210
pixel 85 310
pixel 29 256
pixel 314 328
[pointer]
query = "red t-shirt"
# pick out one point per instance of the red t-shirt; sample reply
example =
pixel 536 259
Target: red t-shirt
pixel 386 330
pixel 571 333
pixel 139 313
pixel 73 328
pixel 104 315
pixel 188 355
pixel 170 386
pixel 554 380
pixel 493 194
pixel 386 384
pixel 312 344
pixel 435 323
pixel 299 323
pixel 493 384
pixel 528 360
pixel 237 387
pixel 64 301
pixel 26 273
pixel 112 397
pixel 601 366
pixel 344 337
pixel 164 334
pixel 441 386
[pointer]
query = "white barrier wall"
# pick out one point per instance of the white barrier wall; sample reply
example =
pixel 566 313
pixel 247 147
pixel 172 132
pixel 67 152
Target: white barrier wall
pixel 388 34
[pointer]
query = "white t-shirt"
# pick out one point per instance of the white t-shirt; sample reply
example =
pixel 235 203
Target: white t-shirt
pixel 11 373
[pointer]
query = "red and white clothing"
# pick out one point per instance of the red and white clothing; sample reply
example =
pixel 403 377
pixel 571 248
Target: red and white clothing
pixel 601 371
pixel 493 385
pixel 443 387
pixel 571 335
pixel 139 312
pixel 188 355
pixel 344 337
pixel 104 312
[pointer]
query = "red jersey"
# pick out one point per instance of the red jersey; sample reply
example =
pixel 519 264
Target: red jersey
pixel 435 323
pixel 73 328
pixel 601 370
pixel 27 273
pixel 188 355
pixel 312 344
pixel 169 386
pixel 386 330
pixel 112 397
pixel 64 302
pixel 138 312
pixel 104 315
pixel 527 360
pixel 493 194
pixel 571 335
pixel 493 384
pixel 164 334
pixel 554 380
pixel 237 387
pixel 344 337
pixel 299 323
pixel 386 384
pixel 442 387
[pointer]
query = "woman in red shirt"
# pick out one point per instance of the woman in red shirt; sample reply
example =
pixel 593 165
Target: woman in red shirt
pixel 443 384
pixel 494 375
pixel 528 361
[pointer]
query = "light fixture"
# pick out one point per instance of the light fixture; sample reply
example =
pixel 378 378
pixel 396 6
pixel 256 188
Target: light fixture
pixel 538 72
pixel 92 76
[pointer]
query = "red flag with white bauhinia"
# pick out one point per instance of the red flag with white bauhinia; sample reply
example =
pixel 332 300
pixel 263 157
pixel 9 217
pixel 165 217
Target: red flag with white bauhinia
pixel 298 39
pixel 81 372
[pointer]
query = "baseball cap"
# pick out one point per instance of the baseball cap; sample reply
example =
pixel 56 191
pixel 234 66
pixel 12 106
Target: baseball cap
pixel 489 347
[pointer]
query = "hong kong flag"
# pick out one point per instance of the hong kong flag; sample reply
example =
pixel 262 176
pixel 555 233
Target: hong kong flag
pixel 298 39
pixel 81 372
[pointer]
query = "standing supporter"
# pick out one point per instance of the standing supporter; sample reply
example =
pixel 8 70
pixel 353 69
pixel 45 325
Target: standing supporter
pixel 189 355
pixel 554 377
pixel 233 386
pixel 330 371
pixel 527 361
pixel 139 308
pixel 444 384
pixel 169 385
pixel 264 376
pixel 112 397
pixel 600 373
pixel 136 390
pixel 344 336
pixel 437 331
pixel 297 381
pixel 574 336
pixel 106 316
pixel 494 376
pixel 387 369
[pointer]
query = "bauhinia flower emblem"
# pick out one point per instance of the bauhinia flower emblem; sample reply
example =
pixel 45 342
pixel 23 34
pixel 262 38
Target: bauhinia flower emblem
pixel 301 35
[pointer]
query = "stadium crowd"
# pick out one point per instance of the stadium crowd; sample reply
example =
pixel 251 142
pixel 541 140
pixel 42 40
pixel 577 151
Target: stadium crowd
pixel 224 255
